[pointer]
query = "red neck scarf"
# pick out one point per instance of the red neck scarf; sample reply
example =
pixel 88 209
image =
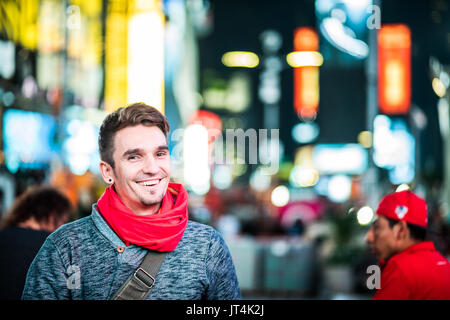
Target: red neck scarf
pixel 160 231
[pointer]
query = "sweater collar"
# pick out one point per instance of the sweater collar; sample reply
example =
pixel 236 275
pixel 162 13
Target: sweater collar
pixel 104 228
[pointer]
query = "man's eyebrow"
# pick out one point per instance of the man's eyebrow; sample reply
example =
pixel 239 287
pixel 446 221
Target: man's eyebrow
pixel 132 151
pixel 140 150
pixel 163 147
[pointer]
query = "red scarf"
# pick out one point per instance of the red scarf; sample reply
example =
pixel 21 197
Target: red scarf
pixel 160 231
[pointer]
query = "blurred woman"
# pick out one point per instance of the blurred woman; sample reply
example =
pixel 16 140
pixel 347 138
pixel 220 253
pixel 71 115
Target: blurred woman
pixel 34 215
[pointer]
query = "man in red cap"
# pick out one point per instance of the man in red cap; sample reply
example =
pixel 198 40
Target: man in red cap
pixel 411 268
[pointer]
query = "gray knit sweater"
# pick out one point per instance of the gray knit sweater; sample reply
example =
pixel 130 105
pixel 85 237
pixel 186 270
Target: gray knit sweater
pixel 81 260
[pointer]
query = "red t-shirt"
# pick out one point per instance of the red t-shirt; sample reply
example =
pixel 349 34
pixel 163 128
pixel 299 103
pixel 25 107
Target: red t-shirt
pixel 417 273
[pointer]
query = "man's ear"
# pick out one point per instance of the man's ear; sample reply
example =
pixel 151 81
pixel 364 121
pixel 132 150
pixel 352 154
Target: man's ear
pixel 402 231
pixel 107 172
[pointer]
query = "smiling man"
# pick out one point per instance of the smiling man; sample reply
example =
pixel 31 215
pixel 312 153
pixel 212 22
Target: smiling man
pixel 140 211
pixel 411 268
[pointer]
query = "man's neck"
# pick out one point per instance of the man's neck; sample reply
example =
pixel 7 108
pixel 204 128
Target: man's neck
pixel 154 209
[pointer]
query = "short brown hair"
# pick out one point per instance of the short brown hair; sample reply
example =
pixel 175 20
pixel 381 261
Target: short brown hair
pixel 40 203
pixel 130 116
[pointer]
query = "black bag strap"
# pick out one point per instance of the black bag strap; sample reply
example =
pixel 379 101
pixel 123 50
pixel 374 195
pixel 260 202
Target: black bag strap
pixel 140 283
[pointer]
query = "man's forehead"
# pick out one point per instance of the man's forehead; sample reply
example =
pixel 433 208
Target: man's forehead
pixel 379 219
pixel 140 137
pixel 149 134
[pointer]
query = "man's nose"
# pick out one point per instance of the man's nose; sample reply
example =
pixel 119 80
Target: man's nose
pixel 151 166
pixel 369 236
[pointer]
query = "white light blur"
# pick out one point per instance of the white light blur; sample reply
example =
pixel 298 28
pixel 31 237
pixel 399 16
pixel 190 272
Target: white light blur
pixel 305 132
pixel 260 180
pixel 7 57
pixel 80 145
pixel 304 59
pixel 222 177
pixel 280 196
pixel 339 188
pixel 78 163
pixel 279 248
pixel 403 173
pixel 338 35
pixel 443 116
pixel 402 187
pixel 359 5
pixel 394 149
pixel 365 215
pixel 196 158
pixel 145 70
pixel 301 176
pixel 445 78
pixel 324 6
pixel 347 158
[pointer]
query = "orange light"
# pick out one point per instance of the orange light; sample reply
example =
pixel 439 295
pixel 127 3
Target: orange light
pixel 394 69
pixel 306 78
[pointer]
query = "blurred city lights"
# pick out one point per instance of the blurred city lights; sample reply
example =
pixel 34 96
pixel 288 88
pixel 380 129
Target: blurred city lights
pixel 402 187
pixel 280 196
pixel 438 87
pixel 80 146
pixel 394 68
pixel 242 59
pixel 349 158
pixel 443 116
pixel 196 158
pixel 394 148
pixel 305 132
pixel 222 177
pixel 260 180
pixel 304 59
pixel 145 56
pixel 303 176
pixel 365 215
pixel 342 38
pixel 7 56
pixel 339 188
pixel 365 139
pixel 28 139
pixel 445 78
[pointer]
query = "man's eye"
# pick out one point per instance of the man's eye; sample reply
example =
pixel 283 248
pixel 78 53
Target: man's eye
pixel 161 154
pixel 132 157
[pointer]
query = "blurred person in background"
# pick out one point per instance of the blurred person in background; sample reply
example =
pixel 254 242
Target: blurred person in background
pixel 33 216
pixel 411 268
pixel 141 211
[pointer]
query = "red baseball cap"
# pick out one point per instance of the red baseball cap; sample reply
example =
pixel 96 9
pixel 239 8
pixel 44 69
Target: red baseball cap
pixel 404 206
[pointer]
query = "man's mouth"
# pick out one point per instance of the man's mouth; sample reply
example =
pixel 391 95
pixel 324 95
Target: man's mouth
pixel 149 183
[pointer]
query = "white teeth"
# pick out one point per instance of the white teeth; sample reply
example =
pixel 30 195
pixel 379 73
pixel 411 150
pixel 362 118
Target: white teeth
pixel 148 183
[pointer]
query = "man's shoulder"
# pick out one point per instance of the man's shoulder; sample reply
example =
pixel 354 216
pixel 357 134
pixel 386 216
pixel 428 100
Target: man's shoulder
pixel 197 229
pixel 79 229
pixel 201 232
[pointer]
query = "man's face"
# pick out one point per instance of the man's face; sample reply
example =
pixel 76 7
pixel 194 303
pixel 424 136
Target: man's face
pixel 382 238
pixel 142 168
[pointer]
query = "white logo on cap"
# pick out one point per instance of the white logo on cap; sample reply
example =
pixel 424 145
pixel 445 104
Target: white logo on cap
pixel 401 211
